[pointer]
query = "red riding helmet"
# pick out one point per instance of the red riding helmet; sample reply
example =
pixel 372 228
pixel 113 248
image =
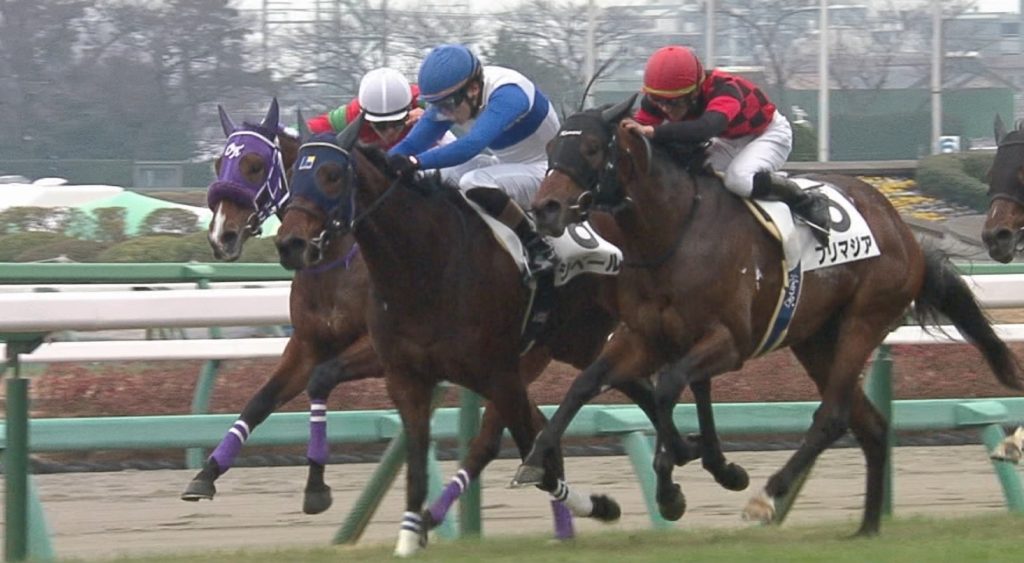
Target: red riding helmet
pixel 672 71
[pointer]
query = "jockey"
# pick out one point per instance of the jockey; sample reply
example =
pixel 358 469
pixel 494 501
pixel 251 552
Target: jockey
pixel 750 139
pixel 390 104
pixel 506 113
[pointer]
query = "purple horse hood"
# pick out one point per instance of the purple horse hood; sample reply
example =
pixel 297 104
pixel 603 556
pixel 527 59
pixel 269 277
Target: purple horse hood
pixel 265 198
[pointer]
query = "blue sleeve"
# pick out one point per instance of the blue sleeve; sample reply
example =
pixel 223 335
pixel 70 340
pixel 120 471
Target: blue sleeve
pixel 427 131
pixel 506 104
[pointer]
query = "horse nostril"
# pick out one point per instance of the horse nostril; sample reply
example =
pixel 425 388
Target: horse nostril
pixel 291 246
pixel 1004 235
pixel 229 238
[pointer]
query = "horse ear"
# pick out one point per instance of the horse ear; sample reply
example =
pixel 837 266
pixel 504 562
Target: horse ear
pixel 999 129
pixel 225 122
pixel 618 112
pixel 350 134
pixel 304 133
pixel 272 121
pixel 638 148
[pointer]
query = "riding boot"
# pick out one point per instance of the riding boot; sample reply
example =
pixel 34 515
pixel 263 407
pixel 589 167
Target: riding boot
pixel 500 206
pixel 810 206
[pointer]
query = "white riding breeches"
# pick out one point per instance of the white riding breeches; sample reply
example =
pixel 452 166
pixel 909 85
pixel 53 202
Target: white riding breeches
pixel 520 180
pixel 738 159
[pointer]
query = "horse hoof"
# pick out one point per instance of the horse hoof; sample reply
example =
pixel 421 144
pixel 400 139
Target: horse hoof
pixel 734 478
pixel 527 475
pixel 316 500
pixel 605 508
pixel 760 509
pixel 672 508
pixel 409 543
pixel 199 489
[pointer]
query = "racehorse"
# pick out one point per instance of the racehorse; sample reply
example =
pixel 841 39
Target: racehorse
pixel 253 185
pixel 447 303
pixel 1003 228
pixel 326 302
pixel 1004 223
pixel 701 279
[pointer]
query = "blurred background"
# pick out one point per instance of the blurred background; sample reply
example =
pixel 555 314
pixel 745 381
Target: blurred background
pixel 124 93
pixel 138 81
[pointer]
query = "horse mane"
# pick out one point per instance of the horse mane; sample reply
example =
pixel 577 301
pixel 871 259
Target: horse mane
pixel 693 157
pixel 429 184
pixel 256 128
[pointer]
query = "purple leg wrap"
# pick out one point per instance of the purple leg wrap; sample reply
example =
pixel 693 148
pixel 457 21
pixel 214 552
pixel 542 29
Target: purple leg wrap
pixel 563 521
pixel 228 448
pixel 317 451
pixel 449 495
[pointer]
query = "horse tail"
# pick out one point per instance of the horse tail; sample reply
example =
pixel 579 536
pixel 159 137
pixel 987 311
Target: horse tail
pixel 945 293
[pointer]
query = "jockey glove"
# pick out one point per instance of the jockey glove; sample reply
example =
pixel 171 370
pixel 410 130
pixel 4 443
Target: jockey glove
pixel 402 165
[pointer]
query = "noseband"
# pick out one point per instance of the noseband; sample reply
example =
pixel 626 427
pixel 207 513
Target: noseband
pixel 602 185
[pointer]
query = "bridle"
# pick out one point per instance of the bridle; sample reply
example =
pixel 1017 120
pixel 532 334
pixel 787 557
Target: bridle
pixel 602 188
pixel 272 195
pixel 1012 195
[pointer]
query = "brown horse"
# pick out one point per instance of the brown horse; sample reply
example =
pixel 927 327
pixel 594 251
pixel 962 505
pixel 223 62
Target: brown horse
pixel 327 302
pixel 251 181
pixel 1004 224
pixel 447 303
pixel 702 278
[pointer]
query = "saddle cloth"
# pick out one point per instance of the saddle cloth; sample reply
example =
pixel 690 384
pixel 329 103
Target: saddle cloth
pixel 850 240
pixel 579 250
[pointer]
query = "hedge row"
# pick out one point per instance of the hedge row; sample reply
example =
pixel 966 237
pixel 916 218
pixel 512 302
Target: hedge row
pixel 44 246
pixel 958 178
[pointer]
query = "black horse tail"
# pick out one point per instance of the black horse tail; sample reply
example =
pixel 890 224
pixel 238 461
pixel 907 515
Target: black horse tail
pixel 945 293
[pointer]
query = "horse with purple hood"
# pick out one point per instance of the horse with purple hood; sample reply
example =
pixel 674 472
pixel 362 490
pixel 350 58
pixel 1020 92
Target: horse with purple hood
pixel 326 303
pixel 251 182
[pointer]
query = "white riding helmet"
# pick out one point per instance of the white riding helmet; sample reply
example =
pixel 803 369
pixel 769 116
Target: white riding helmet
pixel 385 95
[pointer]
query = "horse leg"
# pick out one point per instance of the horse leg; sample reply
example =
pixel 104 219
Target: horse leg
pixel 727 474
pixel 566 502
pixel 484 448
pixel 625 358
pixel 834 360
pixel 712 354
pixel 287 380
pixel 412 397
pixel 871 430
pixel 668 494
pixel 358 361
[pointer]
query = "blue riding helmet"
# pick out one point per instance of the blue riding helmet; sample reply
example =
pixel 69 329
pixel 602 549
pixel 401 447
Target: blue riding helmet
pixel 446 69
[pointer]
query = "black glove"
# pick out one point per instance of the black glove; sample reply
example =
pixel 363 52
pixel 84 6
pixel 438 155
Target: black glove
pixel 402 165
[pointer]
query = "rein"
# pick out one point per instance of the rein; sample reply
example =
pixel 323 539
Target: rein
pixel 373 206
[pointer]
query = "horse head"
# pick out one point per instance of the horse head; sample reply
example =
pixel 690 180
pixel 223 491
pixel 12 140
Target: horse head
pixel 1003 232
pixel 251 180
pixel 588 161
pixel 321 201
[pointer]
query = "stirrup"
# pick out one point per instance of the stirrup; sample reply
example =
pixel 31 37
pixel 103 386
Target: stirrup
pixel 540 257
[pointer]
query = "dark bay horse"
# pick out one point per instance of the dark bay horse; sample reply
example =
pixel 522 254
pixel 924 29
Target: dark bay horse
pixel 702 278
pixel 326 304
pixel 1003 232
pixel 447 304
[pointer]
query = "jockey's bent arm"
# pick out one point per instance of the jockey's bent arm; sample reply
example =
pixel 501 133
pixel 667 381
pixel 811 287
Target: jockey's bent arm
pixel 505 105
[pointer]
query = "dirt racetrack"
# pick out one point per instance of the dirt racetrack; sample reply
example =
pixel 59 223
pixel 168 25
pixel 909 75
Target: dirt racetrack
pixel 102 515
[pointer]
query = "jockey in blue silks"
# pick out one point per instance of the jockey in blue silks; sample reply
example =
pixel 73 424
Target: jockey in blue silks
pixel 503 111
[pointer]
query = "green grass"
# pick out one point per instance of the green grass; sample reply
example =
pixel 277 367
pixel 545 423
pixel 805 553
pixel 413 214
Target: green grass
pixel 986 538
